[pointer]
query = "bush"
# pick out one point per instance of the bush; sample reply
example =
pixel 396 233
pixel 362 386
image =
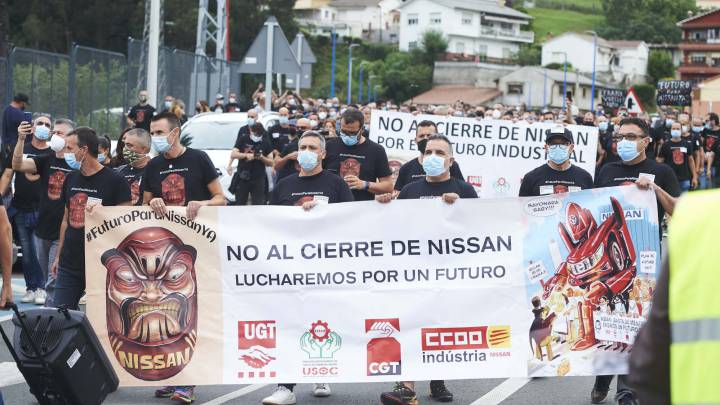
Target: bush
pixel 646 94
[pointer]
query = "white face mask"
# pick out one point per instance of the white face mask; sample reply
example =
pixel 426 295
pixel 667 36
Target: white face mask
pixel 57 143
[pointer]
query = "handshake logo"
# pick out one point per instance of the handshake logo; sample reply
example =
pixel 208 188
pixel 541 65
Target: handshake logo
pixel 383 350
pixel 320 342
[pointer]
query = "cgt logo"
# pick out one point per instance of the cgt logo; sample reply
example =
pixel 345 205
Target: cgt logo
pixel 383 350
pixel 466 338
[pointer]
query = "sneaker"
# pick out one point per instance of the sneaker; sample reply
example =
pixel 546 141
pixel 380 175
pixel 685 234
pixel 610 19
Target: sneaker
pixel 597 396
pixel 40 296
pixel 400 395
pixel 439 392
pixel 626 398
pixel 83 300
pixel 281 396
pixel 184 394
pixel 28 297
pixel 165 392
pixel 321 390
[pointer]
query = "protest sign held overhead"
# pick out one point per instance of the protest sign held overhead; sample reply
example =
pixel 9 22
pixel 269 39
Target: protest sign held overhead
pixel 674 92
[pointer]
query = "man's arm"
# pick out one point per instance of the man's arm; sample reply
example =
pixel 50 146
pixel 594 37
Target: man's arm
pixel 61 241
pixel 5 180
pixel 693 172
pixel 666 200
pixel 6 294
pixel 382 186
pixel 18 163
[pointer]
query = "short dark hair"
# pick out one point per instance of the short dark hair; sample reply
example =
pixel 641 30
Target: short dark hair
pixel 426 124
pixel 351 115
pixel 258 128
pixel 714 117
pixel 638 122
pixel 104 141
pixel 313 134
pixel 441 138
pixel 86 137
pixel 171 118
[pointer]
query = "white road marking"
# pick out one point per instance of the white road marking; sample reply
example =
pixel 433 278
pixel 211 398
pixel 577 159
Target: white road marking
pixel 502 391
pixel 9 374
pixel 235 394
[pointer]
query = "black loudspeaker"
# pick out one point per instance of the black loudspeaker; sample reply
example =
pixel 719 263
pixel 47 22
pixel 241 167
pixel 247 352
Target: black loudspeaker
pixel 58 353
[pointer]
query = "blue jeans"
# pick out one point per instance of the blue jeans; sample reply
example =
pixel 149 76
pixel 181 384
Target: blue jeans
pixel 704 183
pixel 685 185
pixel 46 252
pixel 25 222
pixel 69 287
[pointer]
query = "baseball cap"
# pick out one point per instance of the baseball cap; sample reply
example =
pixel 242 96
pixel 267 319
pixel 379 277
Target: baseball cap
pixel 22 98
pixel 558 131
pixel 219 96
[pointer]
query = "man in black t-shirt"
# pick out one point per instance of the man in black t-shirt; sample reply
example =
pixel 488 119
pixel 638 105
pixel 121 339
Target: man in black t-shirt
pixel 310 187
pixel 286 163
pixel 437 183
pixel 252 118
pixel 89 185
pixel 280 132
pixel 635 169
pixel 558 175
pixel 362 163
pixel 25 204
pixel 140 114
pixel 135 152
pixel 254 153
pixel 711 139
pixel 678 154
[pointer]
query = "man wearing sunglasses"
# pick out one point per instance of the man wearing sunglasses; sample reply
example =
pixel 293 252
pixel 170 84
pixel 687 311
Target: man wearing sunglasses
pixel 558 175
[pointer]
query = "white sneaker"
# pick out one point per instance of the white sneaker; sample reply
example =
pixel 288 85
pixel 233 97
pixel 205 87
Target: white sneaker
pixel 83 300
pixel 321 390
pixel 28 297
pixel 40 296
pixel 281 396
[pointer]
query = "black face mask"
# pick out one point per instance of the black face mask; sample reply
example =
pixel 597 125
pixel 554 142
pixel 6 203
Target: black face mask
pixel 589 123
pixel 421 145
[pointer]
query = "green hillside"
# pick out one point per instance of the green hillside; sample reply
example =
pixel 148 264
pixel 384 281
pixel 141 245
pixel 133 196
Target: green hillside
pixel 557 21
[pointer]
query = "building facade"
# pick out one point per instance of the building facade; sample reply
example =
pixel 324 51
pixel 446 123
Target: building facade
pixel 700 46
pixel 371 20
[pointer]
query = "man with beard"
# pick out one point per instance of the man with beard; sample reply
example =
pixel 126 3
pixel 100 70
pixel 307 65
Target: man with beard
pixel 254 153
pixel 89 185
pixel 558 175
pixel 286 163
pixel 437 183
pixel 135 152
pixel 308 188
pixel 178 176
pixel 362 163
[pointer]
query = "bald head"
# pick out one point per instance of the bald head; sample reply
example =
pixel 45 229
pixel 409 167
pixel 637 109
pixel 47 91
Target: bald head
pixel 302 125
pixel 284 112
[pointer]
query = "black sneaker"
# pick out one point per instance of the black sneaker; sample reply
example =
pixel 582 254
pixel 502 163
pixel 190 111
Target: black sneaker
pixel 626 398
pixel 400 395
pixel 439 392
pixel 597 396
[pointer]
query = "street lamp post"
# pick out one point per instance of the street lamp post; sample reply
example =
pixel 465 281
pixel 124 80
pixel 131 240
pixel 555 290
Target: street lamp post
pixel 349 86
pixel 592 90
pixel 369 88
pixel 332 68
pixel 564 80
pixel 360 83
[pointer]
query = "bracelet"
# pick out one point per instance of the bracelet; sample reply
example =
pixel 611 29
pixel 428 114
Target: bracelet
pixel 367 186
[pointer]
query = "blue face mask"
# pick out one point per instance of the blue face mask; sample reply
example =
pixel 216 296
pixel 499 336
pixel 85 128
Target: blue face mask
pixel 558 154
pixel 284 120
pixel 349 140
pixel 168 104
pixel 675 133
pixel 42 133
pixel 161 143
pixel 101 157
pixel 697 129
pixel 71 161
pixel 308 160
pixel 250 122
pixel 627 150
pixel 433 165
pixel 603 126
pixel 669 122
pixel 708 125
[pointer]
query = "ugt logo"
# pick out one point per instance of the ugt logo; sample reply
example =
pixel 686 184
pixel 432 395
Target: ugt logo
pixel 320 342
pixel 383 350
pixel 257 342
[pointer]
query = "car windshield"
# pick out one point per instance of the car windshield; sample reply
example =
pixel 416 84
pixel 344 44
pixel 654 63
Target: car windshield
pixel 211 135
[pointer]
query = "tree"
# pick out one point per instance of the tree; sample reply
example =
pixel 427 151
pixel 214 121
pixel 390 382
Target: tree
pixel 433 45
pixel 528 55
pixel 660 65
pixel 653 21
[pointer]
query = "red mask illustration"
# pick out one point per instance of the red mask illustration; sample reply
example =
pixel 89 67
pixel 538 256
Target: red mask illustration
pixel 55 185
pixel 678 156
pixel 77 210
pixel 135 191
pixel 173 190
pixel 151 303
pixel 350 167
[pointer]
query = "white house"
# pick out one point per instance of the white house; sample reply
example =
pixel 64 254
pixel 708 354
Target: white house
pixel 372 20
pixel 620 62
pixel 539 87
pixel 485 28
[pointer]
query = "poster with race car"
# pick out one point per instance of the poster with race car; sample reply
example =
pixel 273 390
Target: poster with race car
pixel 591 260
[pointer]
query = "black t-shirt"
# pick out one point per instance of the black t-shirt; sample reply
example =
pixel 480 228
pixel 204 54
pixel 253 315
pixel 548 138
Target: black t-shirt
pixel 105 187
pixel 232 107
pixel 53 171
pixel 611 154
pixel 413 170
pixel 422 189
pixel 291 166
pixel 368 161
pixel 546 180
pixel 27 192
pixel 246 145
pixel 182 179
pixel 324 186
pixel 676 155
pixel 133 176
pixel 620 174
pixel 279 136
pixel 141 115
pixel 244 130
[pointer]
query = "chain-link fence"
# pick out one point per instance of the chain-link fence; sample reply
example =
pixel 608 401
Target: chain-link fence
pixel 96 88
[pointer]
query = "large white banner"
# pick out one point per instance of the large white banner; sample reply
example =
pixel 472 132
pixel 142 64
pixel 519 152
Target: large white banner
pixel 361 292
pixel 493 155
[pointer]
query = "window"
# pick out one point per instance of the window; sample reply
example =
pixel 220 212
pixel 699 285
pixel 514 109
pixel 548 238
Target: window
pixel 327 14
pixel 413 19
pixel 697 58
pixel 460 47
pixel 507 53
pixel 506 26
pixel 482 50
pixel 467 19
pixel 584 89
pixel 515 88
pixel 435 18
pixel 412 45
